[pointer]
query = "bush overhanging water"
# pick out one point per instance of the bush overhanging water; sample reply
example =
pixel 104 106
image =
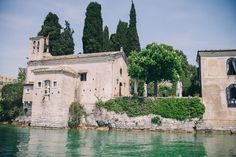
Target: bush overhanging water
pixel 175 108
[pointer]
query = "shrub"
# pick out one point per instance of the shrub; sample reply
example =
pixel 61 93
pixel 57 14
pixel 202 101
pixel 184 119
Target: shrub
pixel 156 120
pixel 175 108
pixel 11 104
pixel 75 113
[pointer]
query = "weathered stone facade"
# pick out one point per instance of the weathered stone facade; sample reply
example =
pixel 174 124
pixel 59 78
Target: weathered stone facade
pixel 216 78
pixel 54 82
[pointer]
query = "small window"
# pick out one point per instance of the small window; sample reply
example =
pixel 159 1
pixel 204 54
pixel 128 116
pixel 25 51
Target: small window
pixel 27 90
pixel 231 95
pixel 83 76
pixel 120 71
pixel 39 84
pixel 54 83
pixel 231 66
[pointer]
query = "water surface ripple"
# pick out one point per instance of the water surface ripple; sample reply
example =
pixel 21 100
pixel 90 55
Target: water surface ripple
pixel 30 142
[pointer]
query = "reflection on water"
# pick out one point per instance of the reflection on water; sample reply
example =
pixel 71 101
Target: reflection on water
pixel 23 142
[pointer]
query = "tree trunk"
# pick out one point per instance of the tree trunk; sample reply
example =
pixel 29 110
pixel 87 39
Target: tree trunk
pixel 135 87
pixel 155 89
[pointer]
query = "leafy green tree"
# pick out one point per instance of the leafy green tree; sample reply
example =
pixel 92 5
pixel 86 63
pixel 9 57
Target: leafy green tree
pixel 136 68
pixel 155 63
pixel 11 101
pixel 132 34
pixel 21 75
pixel 163 64
pixel 93 29
pixel 67 41
pixel 106 40
pixel 52 28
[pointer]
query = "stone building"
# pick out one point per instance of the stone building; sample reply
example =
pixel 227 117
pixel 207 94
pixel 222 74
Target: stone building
pixel 217 71
pixel 54 82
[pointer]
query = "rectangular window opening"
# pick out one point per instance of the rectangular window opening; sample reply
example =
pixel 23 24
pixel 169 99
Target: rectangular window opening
pixel 39 84
pixel 54 83
pixel 83 76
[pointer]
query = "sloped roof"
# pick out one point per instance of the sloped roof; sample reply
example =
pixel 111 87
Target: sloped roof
pixel 65 69
pixel 84 57
pixel 216 53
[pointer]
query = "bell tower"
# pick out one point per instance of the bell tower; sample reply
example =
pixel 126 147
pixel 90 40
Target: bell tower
pixel 37 46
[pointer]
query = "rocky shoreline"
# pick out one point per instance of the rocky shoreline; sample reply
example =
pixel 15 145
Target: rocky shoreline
pixel 101 119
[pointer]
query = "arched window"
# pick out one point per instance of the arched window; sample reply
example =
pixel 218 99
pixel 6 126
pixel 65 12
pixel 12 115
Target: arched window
pixel 47 87
pixel 231 66
pixel 231 95
pixel 120 71
pixel 47 83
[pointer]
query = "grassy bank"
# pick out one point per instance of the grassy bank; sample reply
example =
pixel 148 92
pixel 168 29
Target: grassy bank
pixel 175 108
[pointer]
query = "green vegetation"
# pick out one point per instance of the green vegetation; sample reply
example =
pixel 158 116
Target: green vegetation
pixel 93 29
pixel 156 120
pixel 95 39
pixel 59 43
pixel 106 41
pixel 175 108
pixel 75 113
pixel 21 75
pixel 164 91
pixel 66 40
pixel 158 63
pixel 140 88
pixel 155 63
pixel 11 103
pixel 119 39
pixel 132 34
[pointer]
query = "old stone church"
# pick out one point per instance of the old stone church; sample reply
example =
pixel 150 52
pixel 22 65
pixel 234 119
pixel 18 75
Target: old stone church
pixel 54 82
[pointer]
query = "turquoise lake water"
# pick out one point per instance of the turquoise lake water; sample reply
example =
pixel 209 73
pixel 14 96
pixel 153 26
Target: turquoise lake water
pixel 17 141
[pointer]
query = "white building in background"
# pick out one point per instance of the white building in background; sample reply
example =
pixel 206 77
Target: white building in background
pixel 54 82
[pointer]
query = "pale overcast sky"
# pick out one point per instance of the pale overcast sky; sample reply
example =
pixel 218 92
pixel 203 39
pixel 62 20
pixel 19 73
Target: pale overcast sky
pixel 188 25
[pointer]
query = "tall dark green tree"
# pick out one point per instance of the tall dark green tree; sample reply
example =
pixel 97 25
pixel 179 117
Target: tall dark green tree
pixel 120 37
pixel 133 38
pixel 67 42
pixel 93 29
pixel 52 28
pixel 106 40
pixel 114 44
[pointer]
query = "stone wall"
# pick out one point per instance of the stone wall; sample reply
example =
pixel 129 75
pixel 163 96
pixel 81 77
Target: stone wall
pixel 100 117
pixel 52 110
pixel 214 81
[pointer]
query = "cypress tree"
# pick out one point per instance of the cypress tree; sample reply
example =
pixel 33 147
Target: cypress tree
pixel 52 28
pixel 67 42
pixel 121 35
pixel 133 39
pixel 93 29
pixel 119 39
pixel 114 44
pixel 106 41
